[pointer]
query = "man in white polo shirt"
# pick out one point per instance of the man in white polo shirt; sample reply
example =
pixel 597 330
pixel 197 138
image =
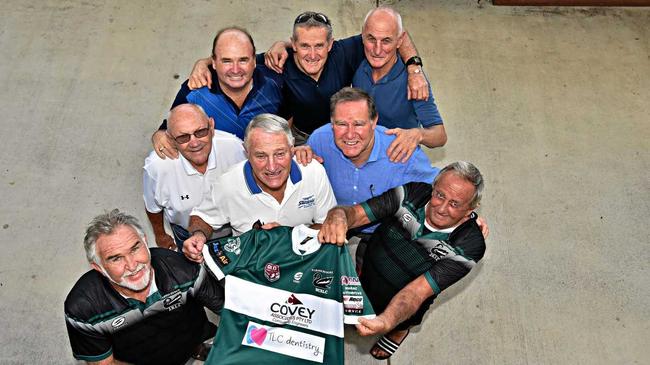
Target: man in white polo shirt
pixel 270 188
pixel 172 187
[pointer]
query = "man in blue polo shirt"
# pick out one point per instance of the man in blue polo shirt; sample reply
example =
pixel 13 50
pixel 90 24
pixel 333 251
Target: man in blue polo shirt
pixel 353 148
pixel 316 67
pixel 243 90
pixel 383 75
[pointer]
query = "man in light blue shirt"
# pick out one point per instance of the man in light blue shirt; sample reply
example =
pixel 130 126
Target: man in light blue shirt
pixel 354 154
pixel 383 75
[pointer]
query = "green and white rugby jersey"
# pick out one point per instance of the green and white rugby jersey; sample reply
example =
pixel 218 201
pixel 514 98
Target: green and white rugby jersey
pixel 286 298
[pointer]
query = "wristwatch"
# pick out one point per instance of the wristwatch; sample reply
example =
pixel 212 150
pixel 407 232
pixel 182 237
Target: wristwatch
pixel 415 60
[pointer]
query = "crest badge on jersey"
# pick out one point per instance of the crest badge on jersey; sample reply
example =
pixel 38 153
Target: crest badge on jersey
pixel 272 272
pixel 233 245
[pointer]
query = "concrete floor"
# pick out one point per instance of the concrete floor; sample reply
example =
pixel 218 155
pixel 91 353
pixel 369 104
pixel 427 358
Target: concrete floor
pixel 550 103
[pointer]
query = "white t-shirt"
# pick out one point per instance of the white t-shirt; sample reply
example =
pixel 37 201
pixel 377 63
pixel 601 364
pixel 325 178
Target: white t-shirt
pixel 174 185
pixel 236 198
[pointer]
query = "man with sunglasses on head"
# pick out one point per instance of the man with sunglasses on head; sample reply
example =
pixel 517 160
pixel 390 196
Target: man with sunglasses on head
pixel 173 187
pixel 317 67
pixel 243 89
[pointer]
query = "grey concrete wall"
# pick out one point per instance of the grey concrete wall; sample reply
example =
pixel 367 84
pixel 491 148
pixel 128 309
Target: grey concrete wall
pixel 550 103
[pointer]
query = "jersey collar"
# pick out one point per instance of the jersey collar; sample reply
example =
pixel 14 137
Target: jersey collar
pixel 295 175
pixel 304 240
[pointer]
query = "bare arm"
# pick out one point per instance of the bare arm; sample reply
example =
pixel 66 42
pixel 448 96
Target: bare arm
pixel 401 149
pixel 403 305
pixel 418 87
pixel 339 220
pixel 157 224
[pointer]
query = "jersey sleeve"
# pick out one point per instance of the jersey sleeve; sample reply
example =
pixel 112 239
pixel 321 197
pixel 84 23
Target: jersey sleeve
pixel 87 345
pixel 227 255
pixel 466 247
pixel 354 299
pixel 208 291
pixel 388 203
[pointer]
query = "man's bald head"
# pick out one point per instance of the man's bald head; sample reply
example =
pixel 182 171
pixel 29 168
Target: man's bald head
pixel 384 14
pixel 233 33
pixel 186 114
pixel 191 132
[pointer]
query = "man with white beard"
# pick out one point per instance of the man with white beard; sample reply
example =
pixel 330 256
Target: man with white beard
pixel 138 305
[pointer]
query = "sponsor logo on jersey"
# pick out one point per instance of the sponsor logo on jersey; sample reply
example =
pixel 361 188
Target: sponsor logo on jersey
pixel 322 283
pixel 306 202
pixel 233 245
pixel 350 280
pixel 297 276
pixel 272 272
pixel 439 250
pixel 186 196
pixel 284 341
pixel 221 258
pixel 292 311
pixel 293 300
pixel 256 335
pixel 173 300
pixel 118 322
pixel 353 304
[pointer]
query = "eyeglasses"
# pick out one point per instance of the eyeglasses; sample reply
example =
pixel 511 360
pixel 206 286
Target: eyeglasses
pixel 184 138
pixel 319 17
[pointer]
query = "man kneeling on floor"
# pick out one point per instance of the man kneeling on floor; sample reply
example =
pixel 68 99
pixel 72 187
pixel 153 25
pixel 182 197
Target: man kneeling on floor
pixel 138 305
pixel 427 241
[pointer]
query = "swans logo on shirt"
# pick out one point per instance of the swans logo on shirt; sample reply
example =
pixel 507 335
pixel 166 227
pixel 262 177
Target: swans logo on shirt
pixel 306 202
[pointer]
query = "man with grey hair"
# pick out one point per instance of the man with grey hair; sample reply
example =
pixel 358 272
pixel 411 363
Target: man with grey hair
pixel 270 188
pixel 138 305
pixel 427 241
pixel 173 187
pixel 383 75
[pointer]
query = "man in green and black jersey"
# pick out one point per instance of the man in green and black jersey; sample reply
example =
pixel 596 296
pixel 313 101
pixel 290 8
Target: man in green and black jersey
pixel 427 241
pixel 137 306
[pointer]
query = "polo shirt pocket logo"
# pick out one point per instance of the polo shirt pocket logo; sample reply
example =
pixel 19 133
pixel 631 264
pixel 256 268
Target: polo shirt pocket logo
pixel 306 202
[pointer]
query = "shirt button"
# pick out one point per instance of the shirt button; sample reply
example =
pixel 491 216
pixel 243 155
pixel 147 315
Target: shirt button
pixel 355 187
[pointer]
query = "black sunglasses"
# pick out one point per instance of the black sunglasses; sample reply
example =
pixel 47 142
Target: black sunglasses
pixel 184 138
pixel 319 17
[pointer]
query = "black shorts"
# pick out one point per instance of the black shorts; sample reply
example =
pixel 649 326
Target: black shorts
pixel 380 292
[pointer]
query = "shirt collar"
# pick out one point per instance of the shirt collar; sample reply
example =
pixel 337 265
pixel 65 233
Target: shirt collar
pixel 295 175
pixel 304 240
pixel 392 74
pixel 190 170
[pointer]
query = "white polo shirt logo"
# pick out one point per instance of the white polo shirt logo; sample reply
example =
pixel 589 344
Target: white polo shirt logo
pixel 307 202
